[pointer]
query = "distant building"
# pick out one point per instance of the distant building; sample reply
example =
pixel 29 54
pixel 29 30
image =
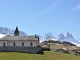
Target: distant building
pixel 20 43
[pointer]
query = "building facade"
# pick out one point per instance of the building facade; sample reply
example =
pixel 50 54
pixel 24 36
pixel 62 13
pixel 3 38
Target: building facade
pixel 20 43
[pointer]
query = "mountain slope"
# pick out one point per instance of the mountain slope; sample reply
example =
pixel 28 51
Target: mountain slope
pixel 67 37
pixel 4 30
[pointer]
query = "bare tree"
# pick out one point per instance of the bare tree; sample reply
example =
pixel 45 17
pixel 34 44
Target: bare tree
pixel 48 36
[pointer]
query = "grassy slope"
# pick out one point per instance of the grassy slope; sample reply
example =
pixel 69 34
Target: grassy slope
pixel 60 46
pixel 47 56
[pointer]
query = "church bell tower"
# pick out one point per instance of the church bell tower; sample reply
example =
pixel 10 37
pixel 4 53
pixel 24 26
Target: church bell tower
pixel 16 32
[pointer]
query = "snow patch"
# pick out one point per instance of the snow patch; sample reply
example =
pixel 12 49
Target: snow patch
pixel 2 35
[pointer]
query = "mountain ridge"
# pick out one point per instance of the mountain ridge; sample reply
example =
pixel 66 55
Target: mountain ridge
pixel 5 30
pixel 67 37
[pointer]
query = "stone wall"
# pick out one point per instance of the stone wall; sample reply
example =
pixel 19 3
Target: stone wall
pixel 20 49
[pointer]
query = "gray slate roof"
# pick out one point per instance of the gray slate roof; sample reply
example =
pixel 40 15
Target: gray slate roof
pixel 19 38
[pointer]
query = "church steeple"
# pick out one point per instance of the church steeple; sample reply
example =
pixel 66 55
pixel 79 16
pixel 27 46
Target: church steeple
pixel 16 32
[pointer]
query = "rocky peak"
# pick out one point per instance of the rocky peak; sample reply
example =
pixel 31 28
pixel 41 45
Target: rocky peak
pixel 63 36
pixel 67 35
pixel 5 30
pixel 60 36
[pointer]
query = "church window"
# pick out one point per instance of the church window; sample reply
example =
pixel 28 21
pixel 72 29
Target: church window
pixel 31 44
pixel 14 44
pixel 22 43
pixel 3 44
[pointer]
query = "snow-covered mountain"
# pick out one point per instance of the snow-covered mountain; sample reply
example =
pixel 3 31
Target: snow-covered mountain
pixel 67 37
pixel 4 30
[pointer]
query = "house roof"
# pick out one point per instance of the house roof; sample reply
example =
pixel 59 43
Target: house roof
pixel 19 38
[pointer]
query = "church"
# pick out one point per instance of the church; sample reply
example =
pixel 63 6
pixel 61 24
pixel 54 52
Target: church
pixel 19 43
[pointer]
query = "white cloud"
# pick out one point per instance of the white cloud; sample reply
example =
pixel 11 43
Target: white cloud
pixel 76 8
pixel 51 7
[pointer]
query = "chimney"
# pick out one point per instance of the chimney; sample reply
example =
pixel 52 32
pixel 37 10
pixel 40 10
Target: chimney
pixel 37 36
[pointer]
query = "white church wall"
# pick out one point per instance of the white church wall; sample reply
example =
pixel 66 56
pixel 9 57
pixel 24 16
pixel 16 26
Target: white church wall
pixel 2 42
pixel 19 43
pixel 27 43
pixel 26 48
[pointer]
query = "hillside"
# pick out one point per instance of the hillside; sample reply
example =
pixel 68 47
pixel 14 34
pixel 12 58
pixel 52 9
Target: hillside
pixel 47 56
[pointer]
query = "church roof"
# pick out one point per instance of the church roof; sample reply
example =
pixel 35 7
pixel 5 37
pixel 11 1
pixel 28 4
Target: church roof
pixel 19 38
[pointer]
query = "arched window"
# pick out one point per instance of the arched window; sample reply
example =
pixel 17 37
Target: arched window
pixel 14 44
pixel 22 43
pixel 31 44
pixel 3 44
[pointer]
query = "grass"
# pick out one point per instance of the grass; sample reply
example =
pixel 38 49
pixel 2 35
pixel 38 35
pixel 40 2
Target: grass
pixel 48 55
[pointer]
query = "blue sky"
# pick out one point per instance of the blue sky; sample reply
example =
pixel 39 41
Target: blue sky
pixel 41 16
